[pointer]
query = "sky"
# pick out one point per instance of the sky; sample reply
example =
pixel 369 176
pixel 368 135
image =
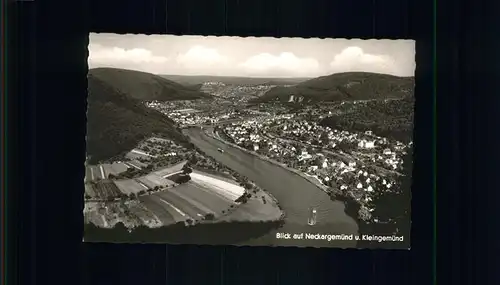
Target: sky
pixel 250 57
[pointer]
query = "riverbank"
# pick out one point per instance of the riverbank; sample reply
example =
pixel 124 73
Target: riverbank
pixel 223 233
pixel 351 206
pixel 235 176
pixel 294 171
pixel 297 196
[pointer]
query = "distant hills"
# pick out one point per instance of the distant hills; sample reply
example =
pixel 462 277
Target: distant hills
pixel 145 86
pixel 342 87
pixel 199 79
pixel 117 120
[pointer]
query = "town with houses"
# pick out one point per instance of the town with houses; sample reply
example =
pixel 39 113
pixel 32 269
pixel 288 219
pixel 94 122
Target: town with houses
pixel 160 183
pixel 360 165
pixel 249 141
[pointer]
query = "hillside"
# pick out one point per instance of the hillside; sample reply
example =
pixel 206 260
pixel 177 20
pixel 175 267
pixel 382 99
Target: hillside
pixel 116 123
pixel 199 79
pixel 391 118
pixel 342 87
pixel 195 87
pixel 145 86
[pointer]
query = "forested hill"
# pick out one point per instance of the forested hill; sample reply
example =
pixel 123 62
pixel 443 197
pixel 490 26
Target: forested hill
pixel 387 118
pixel 343 87
pixel 145 86
pixel 116 122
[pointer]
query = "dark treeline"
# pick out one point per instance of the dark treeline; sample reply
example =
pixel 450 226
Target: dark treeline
pixel 221 233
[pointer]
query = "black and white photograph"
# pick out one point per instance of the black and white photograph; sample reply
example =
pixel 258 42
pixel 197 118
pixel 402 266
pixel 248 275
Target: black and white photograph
pixel 249 141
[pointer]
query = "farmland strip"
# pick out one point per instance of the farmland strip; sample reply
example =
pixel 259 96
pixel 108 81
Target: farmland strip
pixel 102 172
pixel 128 186
pixel 181 204
pixel 171 169
pixel 99 192
pixel 176 213
pixel 119 167
pixel 231 189
pixel 245 212
pixel 209 199
pixel 145 216
pixel 173 207
pixel 193 202
pixel 209 191
pixel 138 163
pixel 219 177
pixel 142 184
pixel 87 174
pixel 172 174
pixel 89 190
pixel 158 209
pixel 107 189
pixel 132 165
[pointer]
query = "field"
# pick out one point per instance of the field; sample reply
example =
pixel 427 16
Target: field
pixel 187 201
pixel 153 180
pixel 145 216
pixel 171 169
pixel 95 173
pixel 203 199
pixel 88 174
pixel 107 169
pixel 114 168
pixel 130 186
pixel 89 190
pixel 229 190
pixel 104 189
pixel 136 164
pixel 222 176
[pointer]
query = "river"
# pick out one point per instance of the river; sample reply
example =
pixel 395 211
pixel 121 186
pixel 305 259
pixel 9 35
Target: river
pixel 295 194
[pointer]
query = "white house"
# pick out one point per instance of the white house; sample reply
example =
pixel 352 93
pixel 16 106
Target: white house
pixel 370 144
pixel 366 144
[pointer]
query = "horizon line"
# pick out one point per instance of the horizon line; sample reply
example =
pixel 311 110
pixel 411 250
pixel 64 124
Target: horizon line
pixel 255 77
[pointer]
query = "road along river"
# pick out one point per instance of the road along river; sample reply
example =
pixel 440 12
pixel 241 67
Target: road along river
pixel 296 195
